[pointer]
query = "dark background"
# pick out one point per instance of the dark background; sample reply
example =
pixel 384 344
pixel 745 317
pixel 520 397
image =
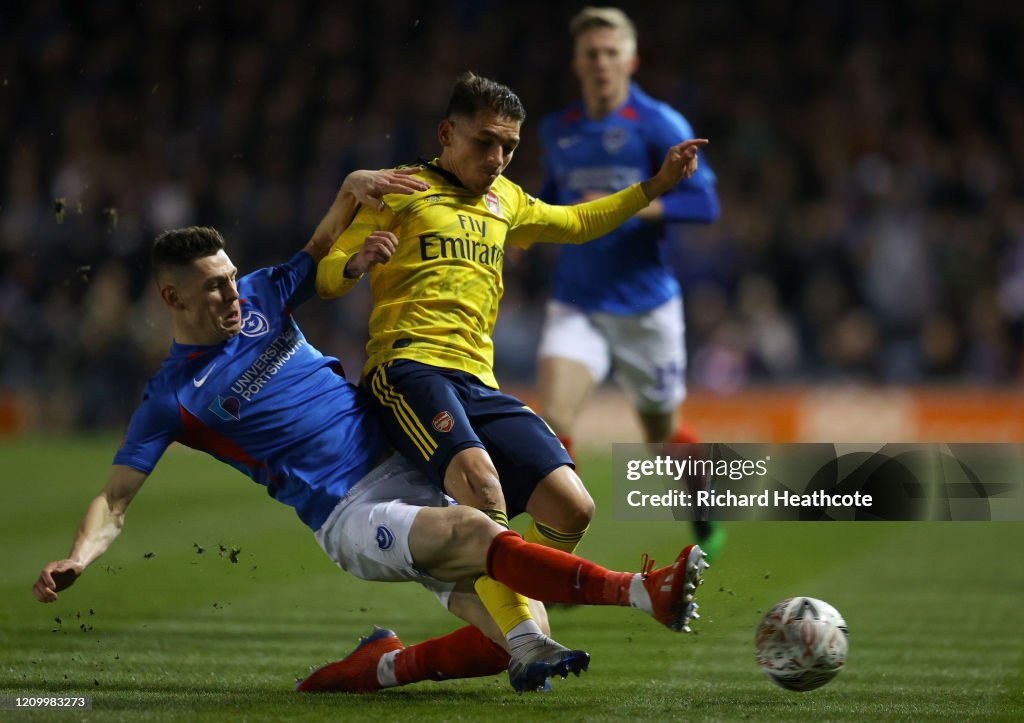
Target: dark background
pixel 869 160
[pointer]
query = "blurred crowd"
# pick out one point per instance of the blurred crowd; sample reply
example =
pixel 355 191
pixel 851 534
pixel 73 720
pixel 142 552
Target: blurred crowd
pixel 870 163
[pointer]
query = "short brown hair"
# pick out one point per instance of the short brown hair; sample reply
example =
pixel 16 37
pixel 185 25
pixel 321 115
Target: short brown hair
pixel 603 17
pixel 473 93
pixel 179 247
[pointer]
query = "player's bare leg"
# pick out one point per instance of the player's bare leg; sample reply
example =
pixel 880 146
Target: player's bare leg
pixel 528 668
pixel 382 661
pixel 659 426
pixel 472 480
pixel 565 385
pixel 560 505
pixel 458 543
pixel 562 509
pixel 466 604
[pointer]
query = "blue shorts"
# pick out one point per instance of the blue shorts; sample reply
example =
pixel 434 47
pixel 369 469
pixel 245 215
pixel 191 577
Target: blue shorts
pixel 431 413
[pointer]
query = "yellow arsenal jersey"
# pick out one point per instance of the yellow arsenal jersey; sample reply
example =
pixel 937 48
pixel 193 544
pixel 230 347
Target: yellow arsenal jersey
pixel 436 300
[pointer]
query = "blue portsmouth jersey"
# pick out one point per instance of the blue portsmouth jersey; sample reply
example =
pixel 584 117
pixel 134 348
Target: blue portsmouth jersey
pixel 626 271
pixel 265 402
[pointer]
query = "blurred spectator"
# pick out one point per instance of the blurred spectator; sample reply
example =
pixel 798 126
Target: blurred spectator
pixel 870 160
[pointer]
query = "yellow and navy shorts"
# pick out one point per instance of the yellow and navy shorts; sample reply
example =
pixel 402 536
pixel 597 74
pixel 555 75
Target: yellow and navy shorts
pixel 430 413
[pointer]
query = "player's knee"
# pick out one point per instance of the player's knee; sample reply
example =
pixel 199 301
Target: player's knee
pixel 572 514
pixel 471 531
pixel 578 514
pixel 487 489
pixel 562 501
pixel 472 480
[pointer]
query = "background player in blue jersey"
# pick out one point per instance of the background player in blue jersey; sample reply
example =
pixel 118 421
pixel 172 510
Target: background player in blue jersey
pixel 615 302
pixel 242 384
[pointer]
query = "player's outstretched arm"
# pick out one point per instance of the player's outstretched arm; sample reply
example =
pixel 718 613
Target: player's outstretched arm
pixel 680 162
pixel 99 527
pixel 586 221
pixel 360 187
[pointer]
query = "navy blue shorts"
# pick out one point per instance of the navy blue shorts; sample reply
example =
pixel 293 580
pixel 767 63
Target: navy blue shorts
pixel 431 413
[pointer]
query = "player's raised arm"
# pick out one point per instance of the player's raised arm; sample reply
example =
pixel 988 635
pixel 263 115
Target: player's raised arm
pixel 366 188
pixel 99 527
pixel 680 162
pixel 583 222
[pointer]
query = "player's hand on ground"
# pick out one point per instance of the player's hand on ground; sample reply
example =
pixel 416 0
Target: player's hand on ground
pixel 377 249
pixel 680 162
pixel 56 576
pixel 370 187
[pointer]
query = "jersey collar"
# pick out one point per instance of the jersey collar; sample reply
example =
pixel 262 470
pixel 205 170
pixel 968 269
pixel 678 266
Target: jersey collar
pixel 446 175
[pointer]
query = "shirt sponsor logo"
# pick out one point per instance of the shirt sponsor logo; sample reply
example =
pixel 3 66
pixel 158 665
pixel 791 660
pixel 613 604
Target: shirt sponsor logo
pixel 267 364
pixel 567 141
pixel 227 408
pixel 601 178
pixel 385 537
pixel 446 247
pixel 443 422
pixel 254 324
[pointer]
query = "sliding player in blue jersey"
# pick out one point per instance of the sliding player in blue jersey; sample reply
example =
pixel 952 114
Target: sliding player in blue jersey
pixel 616 303
pixel 242 384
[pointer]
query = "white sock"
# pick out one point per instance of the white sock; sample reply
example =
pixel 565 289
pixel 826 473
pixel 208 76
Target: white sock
pixel 386 669
pixel 638 596
pixel 524 637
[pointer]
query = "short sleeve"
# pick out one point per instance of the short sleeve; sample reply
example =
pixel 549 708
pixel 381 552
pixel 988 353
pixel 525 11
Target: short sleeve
pixel 154 425
pixel 295 279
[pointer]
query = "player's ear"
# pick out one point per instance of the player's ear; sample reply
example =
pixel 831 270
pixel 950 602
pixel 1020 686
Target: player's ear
pixel 634 64
pixel 170 296
pixel 444 132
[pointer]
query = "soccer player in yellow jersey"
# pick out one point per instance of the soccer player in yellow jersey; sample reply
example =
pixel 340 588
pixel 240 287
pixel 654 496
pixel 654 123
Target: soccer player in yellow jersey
pixel 435 264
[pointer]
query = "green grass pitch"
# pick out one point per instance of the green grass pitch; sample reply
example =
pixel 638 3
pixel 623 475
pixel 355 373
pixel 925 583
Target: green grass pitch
pixel 159 630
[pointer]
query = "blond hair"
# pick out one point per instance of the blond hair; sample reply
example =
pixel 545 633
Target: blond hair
pixel 604 17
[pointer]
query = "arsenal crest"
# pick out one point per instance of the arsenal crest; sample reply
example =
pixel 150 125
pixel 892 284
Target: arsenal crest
pixel 443 422
pixel 491 199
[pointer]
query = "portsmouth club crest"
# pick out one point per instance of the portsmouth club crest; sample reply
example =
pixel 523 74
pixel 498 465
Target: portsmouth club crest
pixel 491 199
pixel 254 324
pixel 443 422
pixel 385 537
pixel 613 139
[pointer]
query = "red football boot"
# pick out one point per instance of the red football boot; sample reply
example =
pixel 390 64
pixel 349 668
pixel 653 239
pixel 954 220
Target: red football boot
pixel 356 673
pixel 672 588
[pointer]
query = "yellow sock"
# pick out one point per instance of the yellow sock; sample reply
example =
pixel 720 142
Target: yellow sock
pixel 498 516
pixel 550 537
pixel 508 608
